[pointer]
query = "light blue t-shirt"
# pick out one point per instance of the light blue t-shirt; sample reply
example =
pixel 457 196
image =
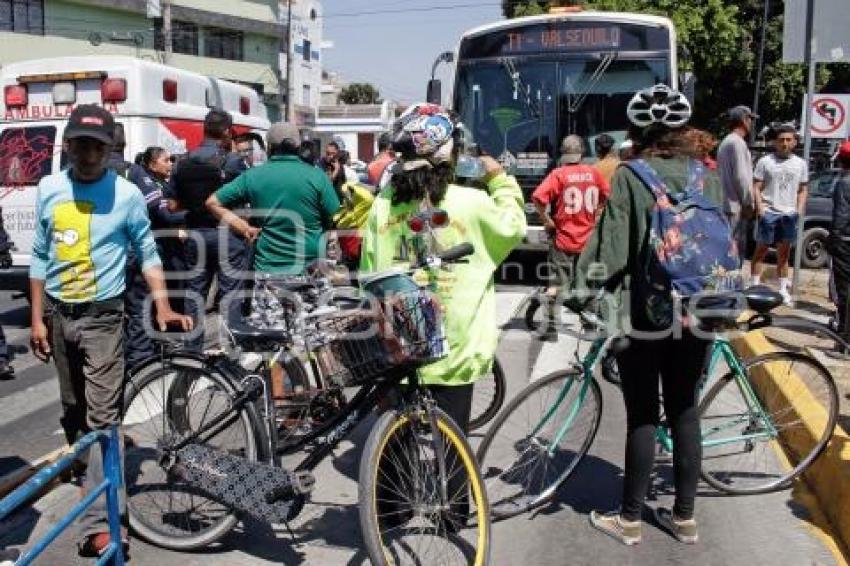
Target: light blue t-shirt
pixel 83 233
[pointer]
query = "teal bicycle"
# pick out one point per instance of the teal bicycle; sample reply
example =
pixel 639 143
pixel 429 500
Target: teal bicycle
pixel 763 422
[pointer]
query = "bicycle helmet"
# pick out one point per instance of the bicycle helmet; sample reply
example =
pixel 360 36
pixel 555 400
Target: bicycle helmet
pixel 423 136
pixel 659 105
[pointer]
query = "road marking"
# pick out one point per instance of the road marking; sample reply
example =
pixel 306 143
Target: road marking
pixel 29 400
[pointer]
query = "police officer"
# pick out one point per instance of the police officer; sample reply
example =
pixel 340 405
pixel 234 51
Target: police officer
pixel 152 178
pixel 223 255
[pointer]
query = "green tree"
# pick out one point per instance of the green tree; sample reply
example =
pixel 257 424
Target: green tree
pixel 722 39
pixel 360 93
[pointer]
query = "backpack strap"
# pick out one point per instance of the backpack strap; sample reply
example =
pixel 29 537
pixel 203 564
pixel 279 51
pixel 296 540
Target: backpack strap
pixel 650 178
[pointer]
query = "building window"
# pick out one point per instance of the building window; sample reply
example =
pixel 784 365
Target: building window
pixel 184 37
pixel 306 49
pixel 223 44
pixel 305 95
pixel 23 16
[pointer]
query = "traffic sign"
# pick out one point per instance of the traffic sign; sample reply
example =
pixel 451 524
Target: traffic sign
pixel 829 116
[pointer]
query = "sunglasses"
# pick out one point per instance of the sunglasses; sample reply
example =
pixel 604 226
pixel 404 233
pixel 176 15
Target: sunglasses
pixel 432 217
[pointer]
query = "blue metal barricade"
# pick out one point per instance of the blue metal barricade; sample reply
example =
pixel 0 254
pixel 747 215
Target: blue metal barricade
pixel 113 475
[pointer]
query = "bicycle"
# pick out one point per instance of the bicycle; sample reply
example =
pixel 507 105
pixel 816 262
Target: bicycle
pixel 527 456
pixel 203 442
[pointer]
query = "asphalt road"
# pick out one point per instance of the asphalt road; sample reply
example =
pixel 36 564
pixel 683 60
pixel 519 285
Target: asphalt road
pixel 764 530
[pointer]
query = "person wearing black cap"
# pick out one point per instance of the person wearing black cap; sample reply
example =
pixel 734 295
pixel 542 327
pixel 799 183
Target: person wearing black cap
pixel 87 219
pixel 193 181
pixel 735 166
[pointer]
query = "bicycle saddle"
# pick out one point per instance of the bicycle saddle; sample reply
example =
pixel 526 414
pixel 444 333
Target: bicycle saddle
pixel 245 333
pixel 762 299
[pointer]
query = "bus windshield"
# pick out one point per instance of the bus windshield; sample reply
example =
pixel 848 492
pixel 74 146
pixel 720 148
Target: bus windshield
pixel 519 110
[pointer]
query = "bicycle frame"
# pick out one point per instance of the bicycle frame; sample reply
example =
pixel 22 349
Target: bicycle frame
pixel 588 366
pixel 722 349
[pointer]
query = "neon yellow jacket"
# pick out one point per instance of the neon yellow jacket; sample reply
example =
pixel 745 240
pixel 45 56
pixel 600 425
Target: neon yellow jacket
pixel 494 224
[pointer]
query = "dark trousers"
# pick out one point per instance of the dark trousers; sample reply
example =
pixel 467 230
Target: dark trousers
pixel 4 348
pixel 138 345
pixel 840 251
pixel 87 347
pixel 679 364
pixel 212 260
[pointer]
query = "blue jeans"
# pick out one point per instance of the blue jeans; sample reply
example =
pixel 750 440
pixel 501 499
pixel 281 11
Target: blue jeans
pixel 224 264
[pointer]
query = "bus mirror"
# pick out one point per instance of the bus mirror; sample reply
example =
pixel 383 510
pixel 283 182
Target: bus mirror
pixel 435 92
pixel 688 85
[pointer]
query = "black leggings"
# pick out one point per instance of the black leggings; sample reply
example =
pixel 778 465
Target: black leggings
pixel 679 363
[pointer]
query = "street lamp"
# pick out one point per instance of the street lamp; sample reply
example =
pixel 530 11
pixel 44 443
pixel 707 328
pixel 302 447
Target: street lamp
pixel 434 93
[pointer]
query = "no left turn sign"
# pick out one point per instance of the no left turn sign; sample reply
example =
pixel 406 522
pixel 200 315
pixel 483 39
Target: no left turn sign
pixel 829 116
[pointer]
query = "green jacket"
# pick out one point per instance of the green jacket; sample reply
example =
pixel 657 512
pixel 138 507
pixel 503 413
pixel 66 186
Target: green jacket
pixel 494 224
pixel 619 247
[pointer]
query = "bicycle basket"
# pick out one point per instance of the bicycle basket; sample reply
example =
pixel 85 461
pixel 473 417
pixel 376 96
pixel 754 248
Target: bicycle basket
pixel 405 332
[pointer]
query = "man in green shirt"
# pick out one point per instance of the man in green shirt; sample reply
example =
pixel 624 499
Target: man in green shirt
pixel 292 203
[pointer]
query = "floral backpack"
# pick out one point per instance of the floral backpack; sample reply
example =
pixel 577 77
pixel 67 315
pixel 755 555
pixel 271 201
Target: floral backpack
pixel 691 246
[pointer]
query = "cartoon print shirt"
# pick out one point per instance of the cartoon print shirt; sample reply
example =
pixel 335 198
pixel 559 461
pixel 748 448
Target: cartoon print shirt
pixel 494 224
pixel 83 233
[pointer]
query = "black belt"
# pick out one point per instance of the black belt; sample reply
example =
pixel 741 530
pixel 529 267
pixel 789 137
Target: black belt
pixel 76 310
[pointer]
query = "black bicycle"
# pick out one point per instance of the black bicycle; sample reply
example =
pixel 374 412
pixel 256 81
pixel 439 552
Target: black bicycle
pixel 203 444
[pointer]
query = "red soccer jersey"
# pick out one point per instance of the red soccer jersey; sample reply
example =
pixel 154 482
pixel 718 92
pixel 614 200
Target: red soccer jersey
pixel 577 192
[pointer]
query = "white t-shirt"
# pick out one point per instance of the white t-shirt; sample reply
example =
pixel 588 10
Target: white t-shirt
pixel 782 179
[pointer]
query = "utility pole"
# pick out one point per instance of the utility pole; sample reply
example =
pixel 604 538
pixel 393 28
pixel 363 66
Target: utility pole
pixel 289 107
pixel 807 136
pixel 166 32
pixel 760 70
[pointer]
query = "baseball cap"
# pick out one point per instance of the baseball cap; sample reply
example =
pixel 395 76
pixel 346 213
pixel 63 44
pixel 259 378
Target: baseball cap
pixel 281 131
pixel 572 149
pixel 91 121
pixel 738 113
pixel 844 150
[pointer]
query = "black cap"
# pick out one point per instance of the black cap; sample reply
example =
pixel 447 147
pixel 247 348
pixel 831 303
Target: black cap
pixel 91 121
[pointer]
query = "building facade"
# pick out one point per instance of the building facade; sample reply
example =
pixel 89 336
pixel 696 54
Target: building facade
pixel 236 40
pixel 307 57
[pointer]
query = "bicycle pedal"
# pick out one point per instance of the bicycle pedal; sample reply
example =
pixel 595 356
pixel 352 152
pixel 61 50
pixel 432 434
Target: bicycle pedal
pixel 303 482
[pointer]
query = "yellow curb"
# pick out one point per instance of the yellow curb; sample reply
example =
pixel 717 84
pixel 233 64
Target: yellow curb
pixel 827 477
pixel 10 481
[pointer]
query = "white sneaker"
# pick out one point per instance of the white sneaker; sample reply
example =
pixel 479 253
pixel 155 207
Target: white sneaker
pixel 787 299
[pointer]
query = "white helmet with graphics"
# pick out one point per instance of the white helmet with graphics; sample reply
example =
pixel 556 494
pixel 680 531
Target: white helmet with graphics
pixel 659 104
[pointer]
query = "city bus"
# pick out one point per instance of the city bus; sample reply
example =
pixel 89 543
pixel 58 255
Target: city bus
pixel 522 85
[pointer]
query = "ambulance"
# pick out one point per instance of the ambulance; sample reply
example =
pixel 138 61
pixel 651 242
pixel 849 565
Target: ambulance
pixel 158 105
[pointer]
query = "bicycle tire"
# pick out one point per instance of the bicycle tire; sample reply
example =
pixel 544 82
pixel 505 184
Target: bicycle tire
pixel 395 433
pixel 502 506
pixel 492 402
pixel 725 478
pixel 137 453
pixel 610 370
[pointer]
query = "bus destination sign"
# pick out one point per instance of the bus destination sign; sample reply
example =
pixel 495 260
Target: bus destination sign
pixel 565 37
pixel 536 40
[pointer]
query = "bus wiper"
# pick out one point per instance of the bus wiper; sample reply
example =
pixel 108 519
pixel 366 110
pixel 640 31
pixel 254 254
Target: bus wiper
pixel 573 104
pixel 520 86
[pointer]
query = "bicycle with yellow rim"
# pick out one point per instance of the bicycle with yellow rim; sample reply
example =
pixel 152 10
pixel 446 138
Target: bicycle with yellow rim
pixel 203 448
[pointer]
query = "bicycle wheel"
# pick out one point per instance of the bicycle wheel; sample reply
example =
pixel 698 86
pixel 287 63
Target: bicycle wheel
pixel 403 517
pixel 538 440
pixel 488 396
pixel 749 440
pixel 160 408
pixel 610 369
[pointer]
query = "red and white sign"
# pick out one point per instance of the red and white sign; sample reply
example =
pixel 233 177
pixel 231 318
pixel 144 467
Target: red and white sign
pixel 830 116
